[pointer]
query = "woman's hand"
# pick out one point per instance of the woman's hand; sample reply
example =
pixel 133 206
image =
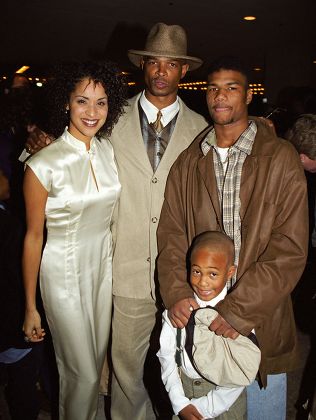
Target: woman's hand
pixel 32 326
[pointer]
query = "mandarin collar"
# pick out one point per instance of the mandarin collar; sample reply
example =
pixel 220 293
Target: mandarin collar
pixel 78 144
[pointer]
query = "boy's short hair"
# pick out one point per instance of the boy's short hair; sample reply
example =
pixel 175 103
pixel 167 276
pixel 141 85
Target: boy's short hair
pixel 303 135
pixel 229 63
pixel 214 240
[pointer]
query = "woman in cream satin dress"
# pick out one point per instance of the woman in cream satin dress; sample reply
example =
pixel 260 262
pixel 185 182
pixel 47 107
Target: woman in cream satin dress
pixel 73 184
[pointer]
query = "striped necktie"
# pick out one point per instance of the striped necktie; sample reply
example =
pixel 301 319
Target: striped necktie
pixel 157 125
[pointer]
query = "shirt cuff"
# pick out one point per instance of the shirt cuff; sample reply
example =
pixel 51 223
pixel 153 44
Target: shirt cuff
pixel 24 156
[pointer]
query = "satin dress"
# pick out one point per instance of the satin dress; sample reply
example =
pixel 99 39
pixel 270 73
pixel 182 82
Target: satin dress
pixel 76 266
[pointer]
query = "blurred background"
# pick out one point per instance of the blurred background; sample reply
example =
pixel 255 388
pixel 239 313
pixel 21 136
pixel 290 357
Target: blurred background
pixel 277 42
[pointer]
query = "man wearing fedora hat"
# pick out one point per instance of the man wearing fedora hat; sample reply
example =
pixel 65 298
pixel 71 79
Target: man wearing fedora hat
pixel 145 146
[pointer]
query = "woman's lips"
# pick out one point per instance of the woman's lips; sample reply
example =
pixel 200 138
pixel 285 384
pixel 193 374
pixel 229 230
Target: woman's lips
pixel 90 123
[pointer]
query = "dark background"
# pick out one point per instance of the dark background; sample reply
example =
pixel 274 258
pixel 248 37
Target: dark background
pixel 281 41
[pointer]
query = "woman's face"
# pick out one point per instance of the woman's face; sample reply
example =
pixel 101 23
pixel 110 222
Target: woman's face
pixel 88 109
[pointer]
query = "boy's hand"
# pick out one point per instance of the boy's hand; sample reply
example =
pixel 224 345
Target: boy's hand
pixel 180 312
pixel 37 139
pixel 222 327
pixel 190 413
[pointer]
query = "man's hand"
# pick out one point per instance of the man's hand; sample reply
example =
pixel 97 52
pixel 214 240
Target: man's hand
pixel 180 312
pixel 221 327
pixel 190 413
pixel 308 164
pixel 37 139
pixel 268 123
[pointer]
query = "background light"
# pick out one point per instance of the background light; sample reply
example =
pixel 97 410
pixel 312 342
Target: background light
pixel 250 18
pixel 22 69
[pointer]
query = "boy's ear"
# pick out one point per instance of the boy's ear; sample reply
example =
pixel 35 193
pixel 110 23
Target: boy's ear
pixel 231 271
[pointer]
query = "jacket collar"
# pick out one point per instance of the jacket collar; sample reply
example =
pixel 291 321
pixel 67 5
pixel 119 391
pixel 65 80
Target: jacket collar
pixel 263 147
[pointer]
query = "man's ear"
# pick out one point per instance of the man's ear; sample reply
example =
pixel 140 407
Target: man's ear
pixel 248 96
pixel 184 69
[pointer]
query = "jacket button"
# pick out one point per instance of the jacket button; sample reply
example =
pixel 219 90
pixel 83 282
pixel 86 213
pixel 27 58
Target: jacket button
pixel 148 259
pixel 197 383
pixel 154 180
pixel 154 219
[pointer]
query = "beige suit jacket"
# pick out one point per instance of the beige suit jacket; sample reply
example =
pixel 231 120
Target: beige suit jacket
pixel 138 211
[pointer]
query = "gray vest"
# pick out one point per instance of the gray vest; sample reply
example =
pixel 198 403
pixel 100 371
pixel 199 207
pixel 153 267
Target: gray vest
pixel 155 143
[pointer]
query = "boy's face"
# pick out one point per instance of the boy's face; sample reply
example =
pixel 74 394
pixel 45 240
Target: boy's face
pixel 209 273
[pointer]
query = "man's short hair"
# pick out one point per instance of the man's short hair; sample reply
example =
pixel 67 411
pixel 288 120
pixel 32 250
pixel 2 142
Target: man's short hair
pixel 229 63
pixel 303 135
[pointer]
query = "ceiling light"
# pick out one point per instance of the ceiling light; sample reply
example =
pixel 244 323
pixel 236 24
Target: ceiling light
pixel 314 62
pixel 22 69
pixel 257 68
pixel 249 18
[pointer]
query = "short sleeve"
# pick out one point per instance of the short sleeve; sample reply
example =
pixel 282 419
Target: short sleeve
pixel 41 169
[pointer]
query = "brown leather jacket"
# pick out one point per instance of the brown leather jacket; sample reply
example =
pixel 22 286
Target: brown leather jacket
pixel 274 240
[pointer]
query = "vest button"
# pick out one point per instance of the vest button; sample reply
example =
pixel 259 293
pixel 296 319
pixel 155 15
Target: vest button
pixel 154 180
pixel 154 219
pixel 197 383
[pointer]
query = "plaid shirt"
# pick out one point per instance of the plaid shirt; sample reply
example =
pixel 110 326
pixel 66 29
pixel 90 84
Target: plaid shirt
pixel 228 182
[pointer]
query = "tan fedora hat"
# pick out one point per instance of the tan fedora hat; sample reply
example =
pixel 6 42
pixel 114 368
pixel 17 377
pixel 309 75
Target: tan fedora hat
pixel 165 41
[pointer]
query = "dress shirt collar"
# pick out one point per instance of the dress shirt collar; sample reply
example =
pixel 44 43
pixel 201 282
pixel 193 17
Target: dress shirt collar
pixel 151 111
pixel 244 142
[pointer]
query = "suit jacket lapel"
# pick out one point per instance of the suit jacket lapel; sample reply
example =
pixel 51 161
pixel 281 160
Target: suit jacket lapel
pixel 206 169
pixel 180 138
pixel 132 128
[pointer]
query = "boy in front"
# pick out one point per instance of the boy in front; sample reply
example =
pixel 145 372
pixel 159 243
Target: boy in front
pixel 211 266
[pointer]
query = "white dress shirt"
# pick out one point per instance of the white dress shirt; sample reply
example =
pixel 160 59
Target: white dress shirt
pixel 151 111
pixel 213 404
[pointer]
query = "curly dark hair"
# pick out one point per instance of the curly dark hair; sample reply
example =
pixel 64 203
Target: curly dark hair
pixel 67 75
